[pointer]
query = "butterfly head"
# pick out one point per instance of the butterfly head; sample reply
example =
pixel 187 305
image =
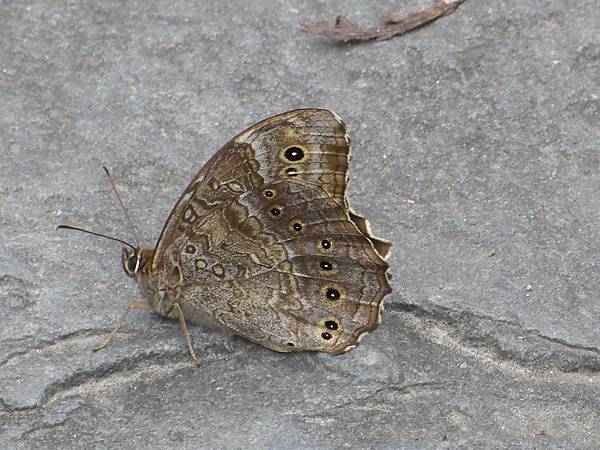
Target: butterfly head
pixel 136 261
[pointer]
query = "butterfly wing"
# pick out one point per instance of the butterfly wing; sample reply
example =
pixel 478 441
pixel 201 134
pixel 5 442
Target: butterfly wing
pixel 263 242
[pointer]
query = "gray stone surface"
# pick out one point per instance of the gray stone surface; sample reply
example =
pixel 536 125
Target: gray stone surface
pixel 476 151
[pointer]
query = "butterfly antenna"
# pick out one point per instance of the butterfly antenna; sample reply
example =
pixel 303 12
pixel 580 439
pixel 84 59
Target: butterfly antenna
pixel 114 187
pixel 68 227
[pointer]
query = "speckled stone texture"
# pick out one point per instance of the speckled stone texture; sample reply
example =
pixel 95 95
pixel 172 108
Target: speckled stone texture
pixel 476 152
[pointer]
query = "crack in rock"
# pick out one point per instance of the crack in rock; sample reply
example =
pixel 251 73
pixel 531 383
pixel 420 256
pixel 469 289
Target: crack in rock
pixel 509 339
pixel 106 370
pixel 29 380
pixel 48 343
pixel 380 399
pixel 56 417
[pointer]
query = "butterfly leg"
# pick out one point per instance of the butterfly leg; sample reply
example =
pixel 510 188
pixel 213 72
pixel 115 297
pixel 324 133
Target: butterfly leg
pixel 120 323
pixel 186 333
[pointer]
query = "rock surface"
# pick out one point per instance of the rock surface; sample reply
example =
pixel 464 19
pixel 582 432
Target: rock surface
pixel 476 152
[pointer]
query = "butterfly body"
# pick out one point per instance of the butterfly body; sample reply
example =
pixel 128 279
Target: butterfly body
pixel 263 243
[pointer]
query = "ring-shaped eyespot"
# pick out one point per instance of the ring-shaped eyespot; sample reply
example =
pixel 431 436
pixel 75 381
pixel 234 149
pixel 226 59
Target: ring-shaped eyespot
pixel 218 271
pixel 326 265
pixel 296 226
pixel 331 325
pixel 275 211
pixel 293 153
pixel 200 264
pixel 332 293
pixel 328 328
pixel 325 245
pixel 269 193
pixel 291 172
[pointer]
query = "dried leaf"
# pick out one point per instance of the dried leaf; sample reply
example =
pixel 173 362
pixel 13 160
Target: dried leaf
pixel 345 31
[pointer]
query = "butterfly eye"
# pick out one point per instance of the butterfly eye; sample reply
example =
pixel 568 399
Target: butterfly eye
pixel 131 264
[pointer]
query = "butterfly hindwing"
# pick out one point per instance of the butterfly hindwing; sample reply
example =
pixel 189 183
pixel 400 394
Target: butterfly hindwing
pixel 263 242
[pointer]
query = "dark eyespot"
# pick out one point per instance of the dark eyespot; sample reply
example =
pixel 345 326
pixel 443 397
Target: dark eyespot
pixel 326 336
pixel 297 226
pixel 190 249
pixel 275 211
pixel 331 325
pixel 325 244
pixel 291 172
pixel 326 265
pixel 291 344
pixel 269 193
pixel 294 154
pixel 332 294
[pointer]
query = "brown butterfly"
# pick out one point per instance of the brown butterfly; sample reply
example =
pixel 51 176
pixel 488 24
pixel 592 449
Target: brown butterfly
pixel 262 243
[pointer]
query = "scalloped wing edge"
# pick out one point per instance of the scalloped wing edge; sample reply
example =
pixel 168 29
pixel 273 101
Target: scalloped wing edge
pixel 382 247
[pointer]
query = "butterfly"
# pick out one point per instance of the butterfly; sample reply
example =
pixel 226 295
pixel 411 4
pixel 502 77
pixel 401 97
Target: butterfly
pixel 262 243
